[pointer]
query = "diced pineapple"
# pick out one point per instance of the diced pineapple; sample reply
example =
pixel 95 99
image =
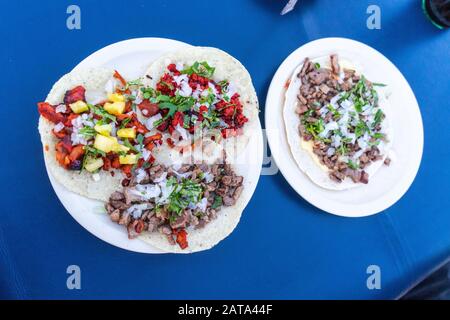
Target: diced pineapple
pixel 109 144
pixel 104 129
pixel 93 164
pixel 105 144
pixel 115 108
pixel 120 148
pixel 128 159
pixel 116 97
pixel 127 133
pixel 79 106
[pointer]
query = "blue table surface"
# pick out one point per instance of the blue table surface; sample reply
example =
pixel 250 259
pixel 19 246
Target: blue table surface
pixel 283 247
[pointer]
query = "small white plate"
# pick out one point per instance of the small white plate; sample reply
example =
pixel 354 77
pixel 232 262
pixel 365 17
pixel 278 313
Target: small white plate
pixel 390 182
pixel 132 58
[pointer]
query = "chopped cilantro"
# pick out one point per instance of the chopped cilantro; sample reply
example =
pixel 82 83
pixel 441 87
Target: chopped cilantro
pixel 217 202
pixel 201 68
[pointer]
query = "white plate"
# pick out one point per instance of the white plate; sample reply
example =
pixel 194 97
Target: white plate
pixel 131 58
pixel 390 183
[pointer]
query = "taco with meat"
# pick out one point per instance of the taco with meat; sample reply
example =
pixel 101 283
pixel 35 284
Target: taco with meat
pixel 337 123
pixel 182 208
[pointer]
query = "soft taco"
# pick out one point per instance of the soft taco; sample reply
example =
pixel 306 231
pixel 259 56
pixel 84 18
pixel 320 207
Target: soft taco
pixel 197 95
pixel 337 123
pixel 91 136
pixel 182 208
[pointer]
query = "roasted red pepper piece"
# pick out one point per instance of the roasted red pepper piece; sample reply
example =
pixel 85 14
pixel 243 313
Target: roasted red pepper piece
pixel 148 109
pixel 48 112
pixel 155 137
pixel 68 122
pixel 140 128
pixel 61 134
pixel 182 239
pixel 61 158
pixel 119 77
pixel 149 146
pixel 74 95
pixel 76 153
pixel 65 145
pixel 122 117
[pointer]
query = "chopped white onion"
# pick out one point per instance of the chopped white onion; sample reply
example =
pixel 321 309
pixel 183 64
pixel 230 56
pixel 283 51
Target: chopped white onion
pixel 150 121
pixel 58 127
pixel 141 174
pixel 61 108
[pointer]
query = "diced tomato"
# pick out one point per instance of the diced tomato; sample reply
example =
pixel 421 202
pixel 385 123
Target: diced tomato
pixel 76 153
pixel 163 126
pixel 106 163
pixel 48 112
pixel 126 169
pixel 182 239
pixel 140 163
pixel 139 227
pixel 148 109
pixel 115 163
pixel 74 95
pixel 170 142
pixel 149 146
pixel 196 80
pixel 166 85
pixel 173 68
pixel 203 109
pixel 178 119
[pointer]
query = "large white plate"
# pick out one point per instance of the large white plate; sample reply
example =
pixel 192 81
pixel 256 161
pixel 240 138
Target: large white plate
pixel 390 183
pixel 132 58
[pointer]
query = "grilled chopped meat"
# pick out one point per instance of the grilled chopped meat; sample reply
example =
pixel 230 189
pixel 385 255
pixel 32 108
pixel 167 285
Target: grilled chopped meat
pixel 320 96
pixel 140 211
pixel 334 64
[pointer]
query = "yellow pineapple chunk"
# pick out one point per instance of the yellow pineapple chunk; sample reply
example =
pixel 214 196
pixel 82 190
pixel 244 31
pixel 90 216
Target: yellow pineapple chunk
pixel 127 133
pixel 104 129
pixel 116 97
pixel 79 106
pixel 128 159
pixel 105 144
pixel 115 108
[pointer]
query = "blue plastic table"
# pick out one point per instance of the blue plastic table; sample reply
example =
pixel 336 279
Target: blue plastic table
pixel 283 247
